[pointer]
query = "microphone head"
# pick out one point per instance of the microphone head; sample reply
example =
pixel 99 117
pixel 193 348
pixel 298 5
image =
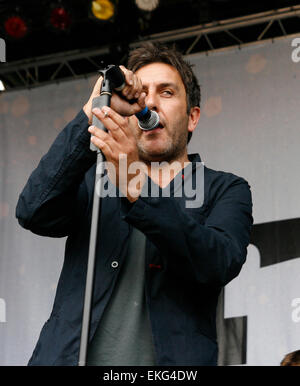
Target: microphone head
pixel 150 123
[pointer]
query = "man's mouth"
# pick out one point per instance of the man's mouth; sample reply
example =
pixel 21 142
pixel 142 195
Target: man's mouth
pixel 160 126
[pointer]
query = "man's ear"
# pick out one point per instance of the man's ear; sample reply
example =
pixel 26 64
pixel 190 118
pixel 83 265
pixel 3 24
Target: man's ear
pixel 194 117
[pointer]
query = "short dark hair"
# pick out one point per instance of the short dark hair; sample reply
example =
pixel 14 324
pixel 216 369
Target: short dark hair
pixel 153 52
pixel 291 359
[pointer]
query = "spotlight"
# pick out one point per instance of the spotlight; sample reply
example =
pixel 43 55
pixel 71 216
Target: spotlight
pixel 60 18
pixel 103 9
pixel 16 26
pixel 147 5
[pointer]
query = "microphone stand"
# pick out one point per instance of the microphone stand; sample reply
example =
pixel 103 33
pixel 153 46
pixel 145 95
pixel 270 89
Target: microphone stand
pixel 102 100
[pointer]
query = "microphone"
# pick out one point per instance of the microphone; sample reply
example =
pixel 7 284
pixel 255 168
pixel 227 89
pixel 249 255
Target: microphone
pixel 147 119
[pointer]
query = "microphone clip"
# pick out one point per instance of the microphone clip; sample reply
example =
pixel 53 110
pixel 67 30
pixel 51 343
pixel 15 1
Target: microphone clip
pixel 114 75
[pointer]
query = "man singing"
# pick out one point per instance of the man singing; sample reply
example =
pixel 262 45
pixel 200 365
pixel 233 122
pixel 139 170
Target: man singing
pixel 160 264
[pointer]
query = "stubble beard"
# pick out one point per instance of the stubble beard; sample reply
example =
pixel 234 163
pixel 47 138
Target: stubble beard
pixel 173 150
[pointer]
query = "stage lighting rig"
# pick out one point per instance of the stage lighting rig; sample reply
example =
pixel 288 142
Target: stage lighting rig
pixel 15 25
pixel 147 5
pixel 103 10
pixel 60 18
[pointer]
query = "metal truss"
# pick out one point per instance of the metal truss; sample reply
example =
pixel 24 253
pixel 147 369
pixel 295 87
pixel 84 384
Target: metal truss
pixel 77 64
pixel 265 19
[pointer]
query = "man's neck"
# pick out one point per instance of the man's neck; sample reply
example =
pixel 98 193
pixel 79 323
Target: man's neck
pixel 162 173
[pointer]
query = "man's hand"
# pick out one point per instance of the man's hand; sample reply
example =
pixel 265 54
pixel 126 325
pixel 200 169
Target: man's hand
pixel 131 100
pixel 120 150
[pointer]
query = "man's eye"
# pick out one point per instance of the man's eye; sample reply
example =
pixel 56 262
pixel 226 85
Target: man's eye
pixel 167 92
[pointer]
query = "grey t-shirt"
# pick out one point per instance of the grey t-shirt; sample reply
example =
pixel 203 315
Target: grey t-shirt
pixel 124 337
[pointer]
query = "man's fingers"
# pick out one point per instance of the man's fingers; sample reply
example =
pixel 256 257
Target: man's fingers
pixel 97 87
pixel 142 100
pixel 128 80
pixel 87 108
pixel 102 140
pixel 115 123
pixel 136 88
pixel 133 87
pixel 128 75
pixel 103 146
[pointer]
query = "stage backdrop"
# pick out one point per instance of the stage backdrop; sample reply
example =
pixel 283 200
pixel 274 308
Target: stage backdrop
pixel 249 126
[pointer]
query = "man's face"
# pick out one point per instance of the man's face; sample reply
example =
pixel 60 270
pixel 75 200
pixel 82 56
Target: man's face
pixel 167 96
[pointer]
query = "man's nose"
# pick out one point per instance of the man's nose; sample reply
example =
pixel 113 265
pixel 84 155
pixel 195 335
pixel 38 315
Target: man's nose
pixel 152 101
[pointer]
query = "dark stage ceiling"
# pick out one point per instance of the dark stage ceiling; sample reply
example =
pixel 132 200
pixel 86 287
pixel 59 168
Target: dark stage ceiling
pixel 46 54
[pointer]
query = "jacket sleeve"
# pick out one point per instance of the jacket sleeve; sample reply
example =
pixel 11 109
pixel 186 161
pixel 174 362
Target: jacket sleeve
pixel 214 250
pixel 47 204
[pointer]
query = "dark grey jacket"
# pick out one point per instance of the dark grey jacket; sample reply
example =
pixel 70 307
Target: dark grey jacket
pixel 190 253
